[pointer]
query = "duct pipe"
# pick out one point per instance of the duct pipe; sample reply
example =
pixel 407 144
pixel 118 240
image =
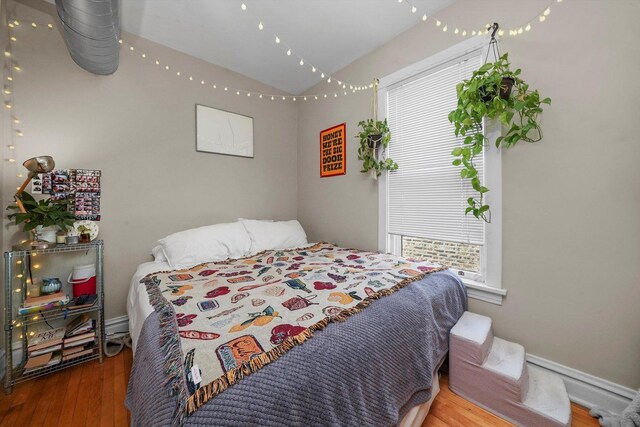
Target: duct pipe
pixel 91 30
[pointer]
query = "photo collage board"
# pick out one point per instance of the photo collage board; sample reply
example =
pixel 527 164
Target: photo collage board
pixel 80 187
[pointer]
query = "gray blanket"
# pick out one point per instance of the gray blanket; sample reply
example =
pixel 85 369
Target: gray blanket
pixel 369 370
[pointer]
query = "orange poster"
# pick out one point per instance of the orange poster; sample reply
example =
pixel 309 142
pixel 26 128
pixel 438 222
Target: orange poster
pixel 333 154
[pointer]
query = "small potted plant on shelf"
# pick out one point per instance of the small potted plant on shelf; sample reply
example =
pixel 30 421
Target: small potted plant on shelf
pixel 374 141
pixel 41 214
pixel 85 234
pixel 494 92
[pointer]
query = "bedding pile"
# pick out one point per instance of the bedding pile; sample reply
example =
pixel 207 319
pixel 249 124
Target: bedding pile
pixel 221 321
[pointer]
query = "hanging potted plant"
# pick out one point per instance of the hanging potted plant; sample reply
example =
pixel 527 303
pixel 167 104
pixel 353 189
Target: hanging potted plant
pixel 494 92
pixel 374 141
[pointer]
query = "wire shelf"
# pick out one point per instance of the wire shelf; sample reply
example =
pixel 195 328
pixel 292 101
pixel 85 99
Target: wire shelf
pixel 59 249
pixel 19 376
pixel 53 314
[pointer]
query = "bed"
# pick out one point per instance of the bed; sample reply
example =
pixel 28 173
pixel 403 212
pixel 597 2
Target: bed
pixel 376 367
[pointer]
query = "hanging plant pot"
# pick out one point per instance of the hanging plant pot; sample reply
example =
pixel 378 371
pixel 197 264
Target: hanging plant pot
pixel 488 93
pixel 505 87
pixel 373 141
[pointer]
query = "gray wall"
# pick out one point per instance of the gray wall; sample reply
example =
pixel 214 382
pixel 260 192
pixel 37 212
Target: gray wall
pixel 571 232
pixel 138 127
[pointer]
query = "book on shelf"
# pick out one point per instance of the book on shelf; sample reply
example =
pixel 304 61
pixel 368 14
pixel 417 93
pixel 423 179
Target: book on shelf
pixel 80 325
pixel 40 362
pixel 44 339
pixel 77 354
pixel 82 301
pixel 44 307
pixel 45 350
pixel 73 350
pixel 90 338
pixel 43 299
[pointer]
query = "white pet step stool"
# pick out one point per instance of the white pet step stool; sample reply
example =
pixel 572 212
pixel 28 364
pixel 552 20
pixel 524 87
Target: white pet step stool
pixel 493 374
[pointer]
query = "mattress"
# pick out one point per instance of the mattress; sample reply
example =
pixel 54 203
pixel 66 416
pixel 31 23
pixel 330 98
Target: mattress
pixel 353 386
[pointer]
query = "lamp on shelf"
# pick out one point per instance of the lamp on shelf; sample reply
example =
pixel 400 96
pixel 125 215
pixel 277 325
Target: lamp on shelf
pixel 35 166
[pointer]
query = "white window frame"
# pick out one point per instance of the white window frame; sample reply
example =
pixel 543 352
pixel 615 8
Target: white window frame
pixel 491 290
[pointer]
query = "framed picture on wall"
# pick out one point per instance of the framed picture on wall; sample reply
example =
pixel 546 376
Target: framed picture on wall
pixel 333 150
pixel 223 132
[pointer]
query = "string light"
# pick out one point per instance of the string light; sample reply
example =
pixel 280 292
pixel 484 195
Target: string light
pixel 513 31
pixel 290 51
pixel 132 48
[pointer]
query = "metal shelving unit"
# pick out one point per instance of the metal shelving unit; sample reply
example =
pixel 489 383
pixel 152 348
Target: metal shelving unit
pixel 15 285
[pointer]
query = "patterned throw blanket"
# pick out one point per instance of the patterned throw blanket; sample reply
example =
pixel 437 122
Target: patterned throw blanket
pixel 224 320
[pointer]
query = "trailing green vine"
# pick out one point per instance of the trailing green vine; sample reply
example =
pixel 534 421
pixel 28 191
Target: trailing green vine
pixel 487 94
pixel 374 139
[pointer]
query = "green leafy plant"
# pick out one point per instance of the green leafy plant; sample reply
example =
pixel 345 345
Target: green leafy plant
pixel 375 137
pixel 488 95
pixel 43 213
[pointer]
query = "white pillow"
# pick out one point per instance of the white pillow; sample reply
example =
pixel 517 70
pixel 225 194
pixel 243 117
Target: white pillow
pixel 274 235
pixel 158 254
pixel 210 243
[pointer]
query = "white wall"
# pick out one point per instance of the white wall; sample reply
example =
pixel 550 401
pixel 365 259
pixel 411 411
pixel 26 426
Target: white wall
pixel 571 234
pixel 138 127
pixel 571 229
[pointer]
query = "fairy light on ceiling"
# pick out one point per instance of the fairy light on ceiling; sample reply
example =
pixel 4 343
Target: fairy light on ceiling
pixel 12 69
pixel 213 84
pixel 466 32
pixel 303 62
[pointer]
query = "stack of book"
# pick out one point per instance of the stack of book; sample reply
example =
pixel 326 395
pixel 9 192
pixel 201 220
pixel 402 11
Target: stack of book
pixel 79 338
pixel 42 303
pixel 44 349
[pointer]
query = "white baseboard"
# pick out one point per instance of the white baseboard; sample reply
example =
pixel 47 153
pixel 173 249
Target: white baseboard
pixel 586 389
pixel 116 325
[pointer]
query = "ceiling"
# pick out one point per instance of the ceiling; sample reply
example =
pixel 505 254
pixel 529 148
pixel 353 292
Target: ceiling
pixel 327 33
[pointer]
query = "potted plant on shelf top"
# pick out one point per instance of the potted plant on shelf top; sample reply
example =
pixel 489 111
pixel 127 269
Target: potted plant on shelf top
pixel 493 92
pixel 41 213
pixel 374 141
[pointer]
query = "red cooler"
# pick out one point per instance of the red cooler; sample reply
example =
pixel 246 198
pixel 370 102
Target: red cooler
pixel 83 279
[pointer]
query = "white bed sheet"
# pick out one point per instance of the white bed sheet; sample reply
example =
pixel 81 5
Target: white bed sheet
pixel 138 306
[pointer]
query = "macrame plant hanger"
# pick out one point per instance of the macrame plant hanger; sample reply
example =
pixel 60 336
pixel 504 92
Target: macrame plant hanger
pixel 374 112
pixel 493 43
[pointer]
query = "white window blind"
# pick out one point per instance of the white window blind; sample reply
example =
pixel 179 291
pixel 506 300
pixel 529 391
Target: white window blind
pixel 426 196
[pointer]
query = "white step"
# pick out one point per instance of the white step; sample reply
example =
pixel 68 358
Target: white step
pixel 493 373
pixel 547 395
pixel 476 329
pixel 506 358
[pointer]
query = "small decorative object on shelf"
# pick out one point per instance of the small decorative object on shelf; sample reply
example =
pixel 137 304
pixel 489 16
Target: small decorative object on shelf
pixel 54 330
pixel 50 285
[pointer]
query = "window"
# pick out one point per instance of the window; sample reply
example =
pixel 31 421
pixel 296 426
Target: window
pixel 422 203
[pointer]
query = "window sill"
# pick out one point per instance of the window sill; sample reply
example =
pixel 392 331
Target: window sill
pixel 482 292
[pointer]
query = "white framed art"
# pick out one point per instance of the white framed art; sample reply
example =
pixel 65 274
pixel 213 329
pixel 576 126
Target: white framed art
pixel 223 132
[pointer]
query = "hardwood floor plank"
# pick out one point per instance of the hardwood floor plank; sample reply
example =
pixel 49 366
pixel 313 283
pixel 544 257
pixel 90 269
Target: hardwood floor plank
pixel 83 397
pixel 71 395
pixel 93 395
pixel 5 404
pixel 94 415
pixel 43 398
pixel 108 403
pixel 433 421
pixel 120 386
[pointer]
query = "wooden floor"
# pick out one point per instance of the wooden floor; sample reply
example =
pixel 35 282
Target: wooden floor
pixel 93 395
